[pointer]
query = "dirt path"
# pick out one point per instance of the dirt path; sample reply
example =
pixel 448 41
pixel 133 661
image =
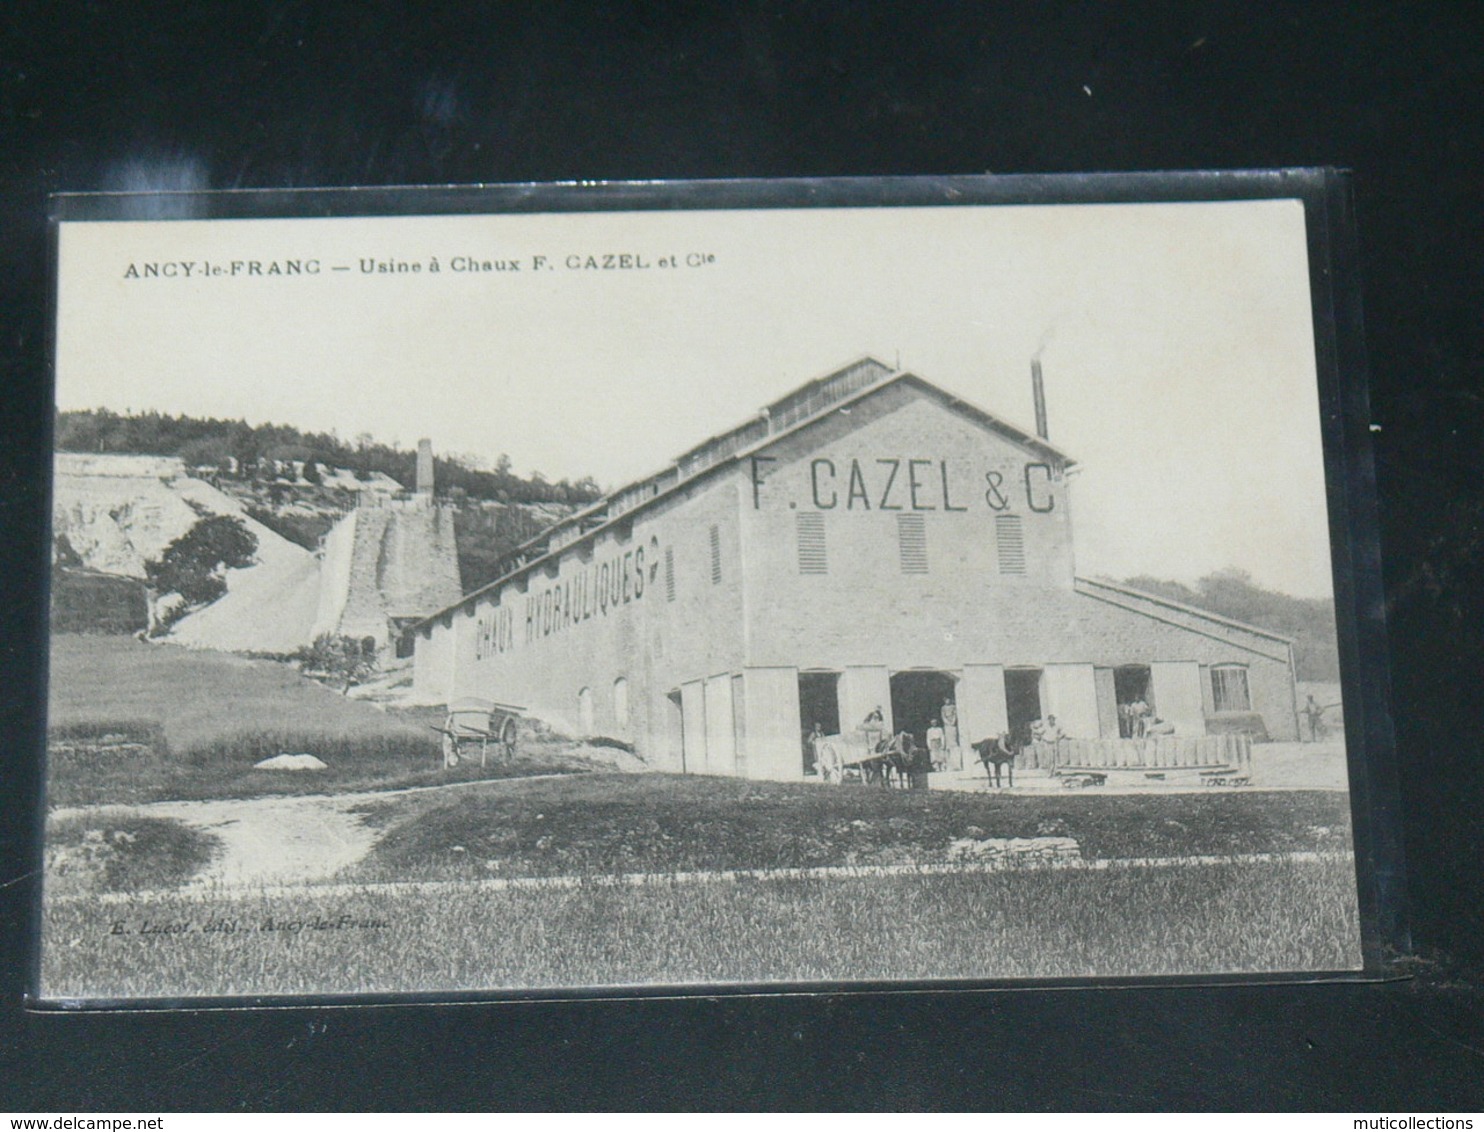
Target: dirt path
pixel 273 840
pixel 279 839
pixel 299 839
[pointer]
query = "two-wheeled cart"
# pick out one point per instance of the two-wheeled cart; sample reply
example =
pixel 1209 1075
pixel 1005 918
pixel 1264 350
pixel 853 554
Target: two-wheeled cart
pixel 482 725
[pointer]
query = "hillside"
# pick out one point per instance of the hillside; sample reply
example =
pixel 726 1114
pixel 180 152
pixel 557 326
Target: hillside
pixel 299 485
pixel 324 558
pixel 114 514
pixel 485 530
pixel 1233 593
pixel 261 454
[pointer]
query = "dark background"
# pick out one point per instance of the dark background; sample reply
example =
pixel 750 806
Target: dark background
pixel 125 95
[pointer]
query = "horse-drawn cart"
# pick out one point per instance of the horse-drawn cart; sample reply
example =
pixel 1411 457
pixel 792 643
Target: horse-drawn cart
pixel 479 724
pixel 870 756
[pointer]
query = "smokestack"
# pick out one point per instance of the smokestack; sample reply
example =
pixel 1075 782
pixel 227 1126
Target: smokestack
pixel 425 465
pixel 1038 391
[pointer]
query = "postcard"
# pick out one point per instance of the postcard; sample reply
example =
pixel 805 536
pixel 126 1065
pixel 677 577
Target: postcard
pixel 666 593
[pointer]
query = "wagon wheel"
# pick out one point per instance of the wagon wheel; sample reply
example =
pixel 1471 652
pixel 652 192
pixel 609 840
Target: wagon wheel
pixel 828 764
pixel 450 750
pixel 508 737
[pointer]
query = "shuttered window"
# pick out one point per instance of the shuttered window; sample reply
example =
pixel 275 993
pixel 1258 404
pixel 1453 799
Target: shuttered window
pixel 1229 688
pixel 715 555
pixel 812 558
pixel 669 573
pixel 1010 543
pixel 912 543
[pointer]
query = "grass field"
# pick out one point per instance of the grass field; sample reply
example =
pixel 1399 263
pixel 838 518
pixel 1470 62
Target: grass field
pixel 127 853
pixel 642 823
pixel 1239 917
pixel 136 723
pixel 198 697
pixel 130 722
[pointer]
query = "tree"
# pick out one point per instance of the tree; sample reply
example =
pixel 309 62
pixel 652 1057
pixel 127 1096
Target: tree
pixel 207 452
pixel 347 660
pixel 192 565
pixel 251 451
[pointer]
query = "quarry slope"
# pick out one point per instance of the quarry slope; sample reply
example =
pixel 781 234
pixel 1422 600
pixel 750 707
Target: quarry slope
pixel 117 512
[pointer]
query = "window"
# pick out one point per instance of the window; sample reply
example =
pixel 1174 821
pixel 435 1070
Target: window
pixel 585 710
pixel 811 543
pixel 621 702
pixel 715 554
pixel 1229 688
pixel 912 543
pixel 1009 537
pixel 669 573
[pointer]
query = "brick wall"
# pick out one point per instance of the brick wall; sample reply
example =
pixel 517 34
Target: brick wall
pixel 523 644
pixel 946 593
pixel 865 605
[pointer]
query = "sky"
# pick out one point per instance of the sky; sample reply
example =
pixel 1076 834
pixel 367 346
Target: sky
pixel 1176 342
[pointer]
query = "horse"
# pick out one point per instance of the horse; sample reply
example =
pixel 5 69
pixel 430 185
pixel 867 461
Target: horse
pixel 889 762
pixel 899 753
pixel 994 753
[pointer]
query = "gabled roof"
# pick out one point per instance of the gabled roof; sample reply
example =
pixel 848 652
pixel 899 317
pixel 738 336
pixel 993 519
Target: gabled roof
pixel 1143 601
pixel 837 390
pixel 807 401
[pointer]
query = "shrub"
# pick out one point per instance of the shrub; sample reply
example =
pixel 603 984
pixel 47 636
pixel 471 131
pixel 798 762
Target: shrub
pixel 343 659
pixel 124 854
pixel 609 741
pixel 301 530
pixel 396 750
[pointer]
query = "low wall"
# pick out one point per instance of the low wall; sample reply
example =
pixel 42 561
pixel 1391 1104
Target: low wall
pixel 1155 751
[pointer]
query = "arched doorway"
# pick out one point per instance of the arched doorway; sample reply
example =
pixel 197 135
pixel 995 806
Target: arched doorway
pixel 1022 701
pixel 917 699
pixel 819 706
pixel 1133 693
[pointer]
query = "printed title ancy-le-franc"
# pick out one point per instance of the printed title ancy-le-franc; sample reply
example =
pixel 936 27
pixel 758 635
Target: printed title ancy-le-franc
pixel 371 265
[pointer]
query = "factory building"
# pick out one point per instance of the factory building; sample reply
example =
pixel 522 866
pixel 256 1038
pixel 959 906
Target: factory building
pixel 869 541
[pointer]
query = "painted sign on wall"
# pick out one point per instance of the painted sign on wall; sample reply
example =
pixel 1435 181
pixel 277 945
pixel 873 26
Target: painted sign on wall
pixel 905 483
pixel 597 589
